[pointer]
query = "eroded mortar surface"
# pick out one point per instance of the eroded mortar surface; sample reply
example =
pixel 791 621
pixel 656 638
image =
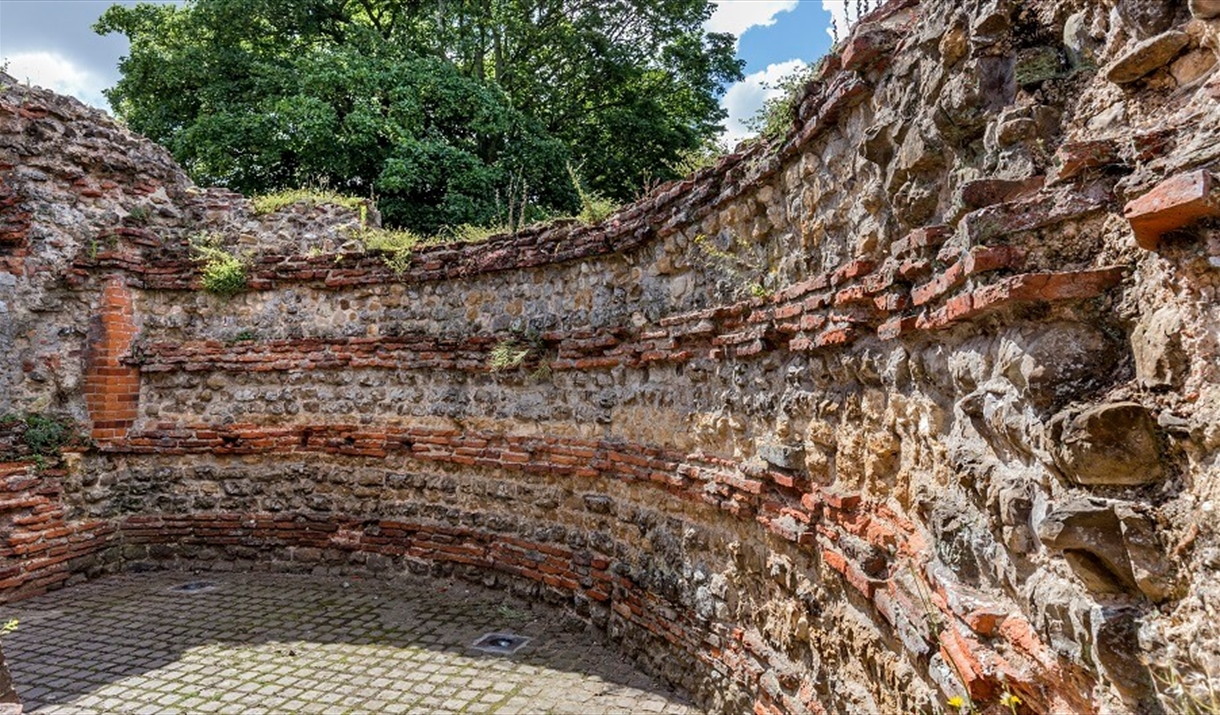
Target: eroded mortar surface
pixel 263 643
pixel 917 404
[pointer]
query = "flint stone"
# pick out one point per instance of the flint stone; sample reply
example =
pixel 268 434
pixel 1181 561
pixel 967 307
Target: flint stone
pixel 782 455
pixel 1079 43
pixel 992 19
pixel 1058 362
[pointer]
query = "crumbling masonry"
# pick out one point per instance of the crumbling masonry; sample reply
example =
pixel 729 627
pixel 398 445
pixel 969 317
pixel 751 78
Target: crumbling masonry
pixel 922 400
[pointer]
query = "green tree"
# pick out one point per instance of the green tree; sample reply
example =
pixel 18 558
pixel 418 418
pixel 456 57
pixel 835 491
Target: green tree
pixel 777 114
pixel 440 107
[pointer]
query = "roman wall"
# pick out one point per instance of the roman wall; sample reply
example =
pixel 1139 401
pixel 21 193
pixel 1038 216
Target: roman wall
pixel 921 400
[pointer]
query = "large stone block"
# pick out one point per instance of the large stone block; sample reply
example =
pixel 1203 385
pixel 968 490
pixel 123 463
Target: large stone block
pixel 1147 57
pixel 1110 546
pixel 1111 444
pixel 1058 361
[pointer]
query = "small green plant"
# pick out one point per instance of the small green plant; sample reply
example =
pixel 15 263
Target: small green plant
pixel 747 276
pixel 520 347
pixel 961 703
pixel 707 154
pixel 272 202
pixel 46 435
pixel 394 245
pixel 711 250
pixel 9 626
pixel 107 240
pixel 511 613
pixel 594 208
pixel 774 118
pixel 222 272
pixel 469 233
pixel 140 214
pixel 508 354
pixel 41 436
pixel 245 335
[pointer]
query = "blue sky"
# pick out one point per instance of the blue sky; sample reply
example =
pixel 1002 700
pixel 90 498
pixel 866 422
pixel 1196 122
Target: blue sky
pixel 50 43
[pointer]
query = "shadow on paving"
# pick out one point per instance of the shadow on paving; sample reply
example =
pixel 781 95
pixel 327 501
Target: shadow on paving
pixel 274 643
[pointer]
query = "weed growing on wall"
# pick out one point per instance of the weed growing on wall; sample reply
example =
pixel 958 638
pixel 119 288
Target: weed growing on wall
pixel 775 117
pixel 470 233
pixel 140 215
pixel 594 208
pixel 36 435
pixel 739 271
pixel 272 202
pixel 1193 694
pixel 520 347
pixel 395 246
pixel 223 273
pixel 508 354
pixel 46 435
pixel 706 155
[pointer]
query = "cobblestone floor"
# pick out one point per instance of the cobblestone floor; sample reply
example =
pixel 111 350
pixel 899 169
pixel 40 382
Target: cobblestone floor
pixel 262 643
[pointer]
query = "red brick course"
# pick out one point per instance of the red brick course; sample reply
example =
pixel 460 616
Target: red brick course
pixel 1172 204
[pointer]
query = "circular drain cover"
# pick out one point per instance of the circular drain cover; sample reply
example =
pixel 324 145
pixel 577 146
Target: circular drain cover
pixel 194 587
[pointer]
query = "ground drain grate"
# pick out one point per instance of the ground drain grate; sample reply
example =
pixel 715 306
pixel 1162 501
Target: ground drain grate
pixel 500 643
pixel 194 587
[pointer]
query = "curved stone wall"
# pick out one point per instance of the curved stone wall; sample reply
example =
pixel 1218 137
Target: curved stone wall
pixel 918 402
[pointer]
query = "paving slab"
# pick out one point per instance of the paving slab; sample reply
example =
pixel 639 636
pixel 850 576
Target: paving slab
pixel 277 643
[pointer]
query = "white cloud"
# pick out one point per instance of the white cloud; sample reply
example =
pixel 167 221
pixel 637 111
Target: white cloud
pixel 56 72
pixel 844 13
pixel 744 98
pixel 737 16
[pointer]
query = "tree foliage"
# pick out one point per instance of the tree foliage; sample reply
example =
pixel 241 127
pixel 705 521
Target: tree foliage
pixel 777 113
pixel 437 106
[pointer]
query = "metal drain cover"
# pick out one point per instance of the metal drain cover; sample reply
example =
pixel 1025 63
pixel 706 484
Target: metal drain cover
pixel 500 643
pixel 194 587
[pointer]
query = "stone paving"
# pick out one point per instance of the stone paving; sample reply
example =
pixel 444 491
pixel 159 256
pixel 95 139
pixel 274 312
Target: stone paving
pixel 270 643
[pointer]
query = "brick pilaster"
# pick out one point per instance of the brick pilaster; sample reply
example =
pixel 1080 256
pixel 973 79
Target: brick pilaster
pixel 112 389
